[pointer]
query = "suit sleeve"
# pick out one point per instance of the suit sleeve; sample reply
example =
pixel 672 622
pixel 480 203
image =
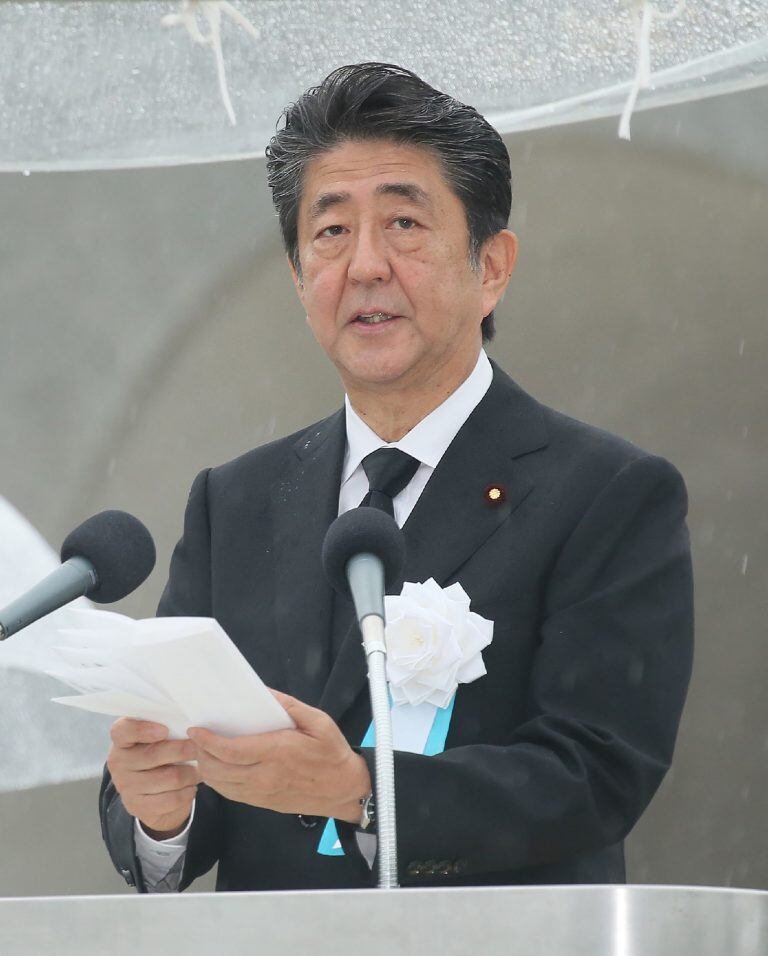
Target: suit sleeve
pixel 188 592
pixel 607 689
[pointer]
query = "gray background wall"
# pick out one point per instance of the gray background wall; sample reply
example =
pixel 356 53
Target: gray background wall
pixel 148 328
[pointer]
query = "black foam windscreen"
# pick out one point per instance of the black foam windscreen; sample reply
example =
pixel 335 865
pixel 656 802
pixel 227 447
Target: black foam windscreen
pixel 363 530
pixel 120 549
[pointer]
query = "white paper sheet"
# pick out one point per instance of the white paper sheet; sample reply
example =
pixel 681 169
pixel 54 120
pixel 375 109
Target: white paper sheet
pixel 118 703
pixel 181 671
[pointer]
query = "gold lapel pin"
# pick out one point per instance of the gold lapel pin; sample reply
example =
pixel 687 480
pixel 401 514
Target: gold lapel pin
pixel 495 494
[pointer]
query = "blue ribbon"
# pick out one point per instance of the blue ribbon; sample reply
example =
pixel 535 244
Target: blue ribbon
pixel 435 745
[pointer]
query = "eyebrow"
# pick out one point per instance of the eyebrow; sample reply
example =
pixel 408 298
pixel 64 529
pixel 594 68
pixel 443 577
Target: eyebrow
pixel 410 191
pixel 326 201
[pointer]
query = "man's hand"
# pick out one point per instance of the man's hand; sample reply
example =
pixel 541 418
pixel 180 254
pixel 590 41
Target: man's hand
pixel 310 770
pixel 142 762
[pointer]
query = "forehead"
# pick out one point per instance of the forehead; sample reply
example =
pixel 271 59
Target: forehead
pixel 361 168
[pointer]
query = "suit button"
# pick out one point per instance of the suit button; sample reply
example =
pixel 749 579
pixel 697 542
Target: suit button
pixel 309 823
pixel 460 866
pixel 444 868
pixel 430 868
pixel 128 877
pixel 415 868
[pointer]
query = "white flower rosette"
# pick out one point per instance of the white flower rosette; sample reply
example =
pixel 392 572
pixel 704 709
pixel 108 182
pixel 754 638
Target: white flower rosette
pixel 434 643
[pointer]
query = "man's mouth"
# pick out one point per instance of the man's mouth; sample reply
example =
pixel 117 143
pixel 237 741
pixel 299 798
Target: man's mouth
pixel 373 318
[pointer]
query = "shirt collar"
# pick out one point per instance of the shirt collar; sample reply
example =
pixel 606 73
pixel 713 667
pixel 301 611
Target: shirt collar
pixel 429 439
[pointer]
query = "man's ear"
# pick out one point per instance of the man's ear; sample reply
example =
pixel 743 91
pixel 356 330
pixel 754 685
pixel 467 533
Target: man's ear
pixel 298 284
pixel 497 259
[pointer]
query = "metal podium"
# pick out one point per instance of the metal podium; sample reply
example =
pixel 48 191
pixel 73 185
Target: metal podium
pixel 493 921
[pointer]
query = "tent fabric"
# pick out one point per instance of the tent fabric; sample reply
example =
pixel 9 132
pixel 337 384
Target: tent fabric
pixel 98 84
pixel 43 743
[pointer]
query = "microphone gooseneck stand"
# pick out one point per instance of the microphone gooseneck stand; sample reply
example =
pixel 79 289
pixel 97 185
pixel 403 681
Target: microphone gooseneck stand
pixel 364 570
pixel 372 628
pixel 71 580
pixel 362 551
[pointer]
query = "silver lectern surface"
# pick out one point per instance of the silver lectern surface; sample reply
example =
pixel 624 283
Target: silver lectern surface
pixel 513 921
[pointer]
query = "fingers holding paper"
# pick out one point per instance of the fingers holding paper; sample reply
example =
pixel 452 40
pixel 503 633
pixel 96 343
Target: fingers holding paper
pixel 310 770
pixel 148 772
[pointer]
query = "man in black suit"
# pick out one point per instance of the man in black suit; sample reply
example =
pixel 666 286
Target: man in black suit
pixel 393 202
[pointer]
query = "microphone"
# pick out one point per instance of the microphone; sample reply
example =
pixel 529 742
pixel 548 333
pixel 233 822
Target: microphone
pixel 106 557
pixel 363 554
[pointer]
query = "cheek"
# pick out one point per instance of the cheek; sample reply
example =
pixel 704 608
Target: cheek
pixel 460 286
pixel 422 275
pixel 438 286
pixel 323 286
pixel 439 269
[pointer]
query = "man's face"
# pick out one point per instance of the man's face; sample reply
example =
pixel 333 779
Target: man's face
pixel 386 280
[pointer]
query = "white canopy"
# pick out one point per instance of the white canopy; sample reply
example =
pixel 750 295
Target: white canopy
pixel 89 84
pixel 42 742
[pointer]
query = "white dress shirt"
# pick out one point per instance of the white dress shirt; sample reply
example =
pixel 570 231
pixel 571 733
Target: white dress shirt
pixel 427 442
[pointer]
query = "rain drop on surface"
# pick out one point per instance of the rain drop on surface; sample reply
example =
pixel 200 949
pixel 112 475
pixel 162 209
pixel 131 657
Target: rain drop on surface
pixel 744 563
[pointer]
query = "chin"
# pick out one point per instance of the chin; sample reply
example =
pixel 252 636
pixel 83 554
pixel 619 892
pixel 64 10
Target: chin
pixel 380 370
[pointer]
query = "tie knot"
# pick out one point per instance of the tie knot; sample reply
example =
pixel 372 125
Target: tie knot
pixel 389 470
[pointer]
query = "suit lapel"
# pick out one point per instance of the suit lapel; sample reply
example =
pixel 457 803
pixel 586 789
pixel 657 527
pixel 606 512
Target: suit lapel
pixel 454 515
pixel 304 503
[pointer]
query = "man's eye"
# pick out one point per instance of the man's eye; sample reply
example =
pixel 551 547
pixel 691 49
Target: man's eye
pixel 331 231
pixel 405 223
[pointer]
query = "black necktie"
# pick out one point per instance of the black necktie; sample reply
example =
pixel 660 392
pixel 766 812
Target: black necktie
pixel 389 470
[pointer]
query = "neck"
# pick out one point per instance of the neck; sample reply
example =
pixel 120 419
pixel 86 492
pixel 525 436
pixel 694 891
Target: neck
pixel 391 411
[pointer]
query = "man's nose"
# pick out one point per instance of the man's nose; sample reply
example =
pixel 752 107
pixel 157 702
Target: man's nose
pixel 370 261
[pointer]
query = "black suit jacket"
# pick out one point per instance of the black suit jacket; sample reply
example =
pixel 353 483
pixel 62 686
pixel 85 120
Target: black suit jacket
pixel 583 566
